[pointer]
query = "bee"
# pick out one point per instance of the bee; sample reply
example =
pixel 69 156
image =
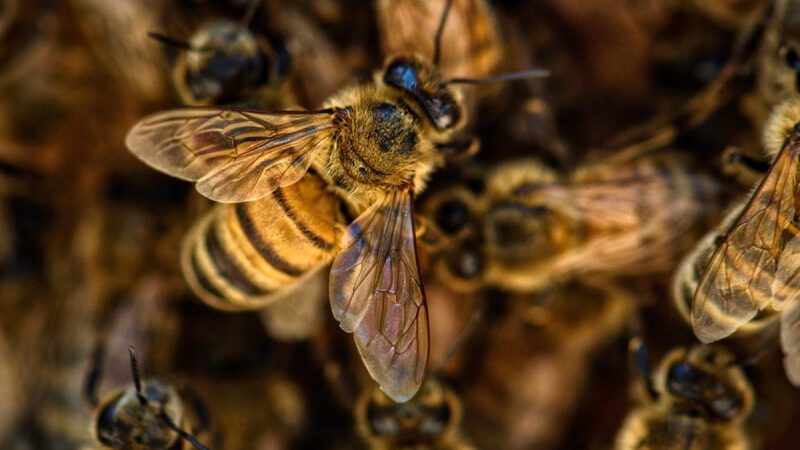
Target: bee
pixel 431 420
pixel 698 399
pixel 224 61
pixel 750 272
pixel 532 227
pixel 373 146
pixel 148 415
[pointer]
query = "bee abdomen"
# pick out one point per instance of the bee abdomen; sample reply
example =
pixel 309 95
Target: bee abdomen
pixel 238 255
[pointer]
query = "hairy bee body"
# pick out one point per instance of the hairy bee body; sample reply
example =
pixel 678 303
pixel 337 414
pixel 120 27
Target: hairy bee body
pixel 239 254
pixel 699 400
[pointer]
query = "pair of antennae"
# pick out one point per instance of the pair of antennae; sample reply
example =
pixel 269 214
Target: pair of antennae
pixel 137 382
pixel 437 53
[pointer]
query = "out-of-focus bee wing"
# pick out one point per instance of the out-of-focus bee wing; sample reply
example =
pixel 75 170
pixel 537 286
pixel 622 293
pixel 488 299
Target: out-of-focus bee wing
pixel 235 155
pixel 757 264
pixel 790 342
pixel 376 292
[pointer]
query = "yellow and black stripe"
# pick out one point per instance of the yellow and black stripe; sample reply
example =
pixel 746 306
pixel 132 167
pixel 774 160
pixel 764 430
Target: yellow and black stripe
pixel 238 255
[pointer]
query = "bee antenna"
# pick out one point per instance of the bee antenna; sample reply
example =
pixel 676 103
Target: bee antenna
pixel 183 434
pixel 641 360
pixel 521 75
pixel 437 40
pixel 468 329
pixel 172 42
pixel 137 377
pixel 252 7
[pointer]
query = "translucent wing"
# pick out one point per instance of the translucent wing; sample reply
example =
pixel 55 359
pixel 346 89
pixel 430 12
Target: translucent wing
pixel 376 293
pixel 235 155
pixel 756 264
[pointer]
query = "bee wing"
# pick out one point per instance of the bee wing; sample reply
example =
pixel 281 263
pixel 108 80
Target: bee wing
pixel 376 292
pixel 235 155
pixel 756 264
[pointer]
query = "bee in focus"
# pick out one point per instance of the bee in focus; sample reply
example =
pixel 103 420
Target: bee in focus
pixel 431 420
pixel 531 227
pixel 698 399
pixel 149 415
pixel 750 261
pixel 374 146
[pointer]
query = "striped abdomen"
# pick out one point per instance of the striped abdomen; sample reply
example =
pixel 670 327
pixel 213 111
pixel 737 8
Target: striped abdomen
pixel 239 255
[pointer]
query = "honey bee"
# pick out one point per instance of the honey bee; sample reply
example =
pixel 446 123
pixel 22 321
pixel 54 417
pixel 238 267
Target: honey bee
pixel 752 266
pixel 228 62
pixel 532 227
pixel 373 146
pixel 148 415
pixel 698 399
pixel 431 420
pixel 224 61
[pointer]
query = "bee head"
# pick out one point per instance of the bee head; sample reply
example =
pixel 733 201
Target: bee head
pixel 704 380
pixel 421 81
pixel 429 415
pixel 125 422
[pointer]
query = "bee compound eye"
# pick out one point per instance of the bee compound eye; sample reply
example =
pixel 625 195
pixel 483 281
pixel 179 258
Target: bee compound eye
pixel 452 216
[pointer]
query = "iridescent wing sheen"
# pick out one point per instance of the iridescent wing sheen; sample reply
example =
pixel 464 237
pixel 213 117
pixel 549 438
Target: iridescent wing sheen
pixel 376 293
pixel 757 263
pixel 235 155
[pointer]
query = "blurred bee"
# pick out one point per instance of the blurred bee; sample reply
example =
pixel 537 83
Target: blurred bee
pixel 430 420
pixel 373 146
pixel 698 399
pixel 225 62
pixel 751 271
pixel 149 415
pixel 530 227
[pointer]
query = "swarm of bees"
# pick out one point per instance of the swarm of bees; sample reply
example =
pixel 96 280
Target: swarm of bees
pixel 510 206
